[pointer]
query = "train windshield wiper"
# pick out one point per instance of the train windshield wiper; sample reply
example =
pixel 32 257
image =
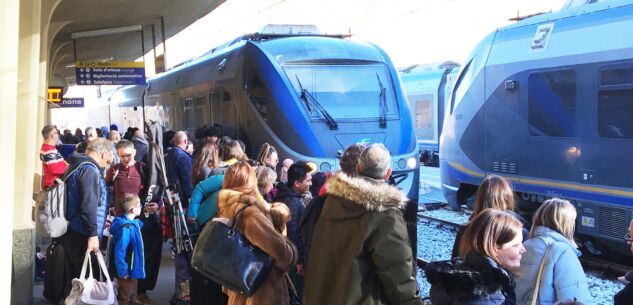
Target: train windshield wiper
pixel 382 100
pixel 312 104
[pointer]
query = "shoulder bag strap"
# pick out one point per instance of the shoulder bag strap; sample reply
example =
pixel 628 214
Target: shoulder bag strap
pixel 76 169
pixel 538 277
pixel 237 217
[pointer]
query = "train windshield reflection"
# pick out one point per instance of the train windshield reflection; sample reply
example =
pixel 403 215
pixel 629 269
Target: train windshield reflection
pixel 345 91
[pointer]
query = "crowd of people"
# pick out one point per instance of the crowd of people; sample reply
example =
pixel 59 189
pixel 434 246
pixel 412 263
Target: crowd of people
pixel 334 238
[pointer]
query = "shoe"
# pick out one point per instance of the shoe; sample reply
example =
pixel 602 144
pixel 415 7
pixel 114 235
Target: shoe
pixel 143 299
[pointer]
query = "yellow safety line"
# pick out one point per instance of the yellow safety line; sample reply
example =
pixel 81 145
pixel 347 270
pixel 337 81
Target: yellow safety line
pixel 594 189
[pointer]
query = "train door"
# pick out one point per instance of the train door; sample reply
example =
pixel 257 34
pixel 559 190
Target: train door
pixel 550 152
pixel 224 111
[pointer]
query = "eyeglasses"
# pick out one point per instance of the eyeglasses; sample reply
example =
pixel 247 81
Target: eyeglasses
pixel 627 239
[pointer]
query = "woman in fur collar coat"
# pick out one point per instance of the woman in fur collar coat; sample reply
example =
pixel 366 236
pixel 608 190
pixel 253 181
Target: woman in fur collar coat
pixel 491 245
pixel 360 250
pixel 264 226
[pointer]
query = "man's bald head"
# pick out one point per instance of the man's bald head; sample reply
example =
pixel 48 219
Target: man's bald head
pixel 180 139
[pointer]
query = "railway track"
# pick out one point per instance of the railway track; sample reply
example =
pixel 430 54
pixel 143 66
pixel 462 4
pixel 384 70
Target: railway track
pixel 589 263
pixel 610 268
pixel 441 222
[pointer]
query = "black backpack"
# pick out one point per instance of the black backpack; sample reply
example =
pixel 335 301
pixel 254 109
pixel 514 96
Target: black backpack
pixel 56 266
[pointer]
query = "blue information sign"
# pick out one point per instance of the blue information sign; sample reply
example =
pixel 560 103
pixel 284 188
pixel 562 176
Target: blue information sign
pixel 72 102
pixel 114 73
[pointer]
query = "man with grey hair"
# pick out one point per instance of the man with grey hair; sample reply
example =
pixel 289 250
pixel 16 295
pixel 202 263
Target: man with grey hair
pixel 360 251
pixel 178 164
pixel 86 206
pixel 90 134
pixel 53 164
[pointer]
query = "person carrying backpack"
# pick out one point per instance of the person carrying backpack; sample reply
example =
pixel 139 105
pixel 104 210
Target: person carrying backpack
pixel 87 201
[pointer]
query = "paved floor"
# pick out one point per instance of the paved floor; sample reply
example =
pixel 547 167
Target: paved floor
pixel 161 293
pixel 429 192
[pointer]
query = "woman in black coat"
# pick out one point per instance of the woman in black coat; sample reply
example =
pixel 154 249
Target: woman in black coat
pixel 491 246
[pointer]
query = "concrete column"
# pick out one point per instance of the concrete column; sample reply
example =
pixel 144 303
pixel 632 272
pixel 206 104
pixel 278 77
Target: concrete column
pixel 26 152
pixel 9 24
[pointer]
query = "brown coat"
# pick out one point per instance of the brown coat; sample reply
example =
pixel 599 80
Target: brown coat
pixel 262 225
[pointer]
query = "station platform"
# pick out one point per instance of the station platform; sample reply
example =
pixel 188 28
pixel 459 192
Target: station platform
pixel 160 295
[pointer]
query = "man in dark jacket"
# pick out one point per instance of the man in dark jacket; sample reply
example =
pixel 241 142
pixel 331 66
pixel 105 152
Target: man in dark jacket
pixel 299 182
pixel 91 134
pixel 179 163
pixel 140 145
pixel 360 251
pixel 87 202
pixel 178 166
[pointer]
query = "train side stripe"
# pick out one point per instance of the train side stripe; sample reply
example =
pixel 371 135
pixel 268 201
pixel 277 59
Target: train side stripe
pixel 554 184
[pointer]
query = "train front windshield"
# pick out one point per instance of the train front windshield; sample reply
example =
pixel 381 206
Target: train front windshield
pixel 344 91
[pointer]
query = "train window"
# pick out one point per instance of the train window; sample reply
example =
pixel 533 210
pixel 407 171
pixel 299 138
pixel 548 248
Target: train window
pixel 615 110
pixel 344 91
pixel 424 119
pixel 552 103
pixel 189 115
pixel 258 93
pixel 616 77
pixel 459 90
pixel 200 112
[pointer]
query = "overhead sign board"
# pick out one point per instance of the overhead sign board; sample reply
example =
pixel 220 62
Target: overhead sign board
pixel 110 73
pixel 54 94
pixel 72 102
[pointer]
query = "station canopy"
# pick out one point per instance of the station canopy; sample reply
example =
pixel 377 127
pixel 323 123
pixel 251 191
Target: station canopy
pixel 104 30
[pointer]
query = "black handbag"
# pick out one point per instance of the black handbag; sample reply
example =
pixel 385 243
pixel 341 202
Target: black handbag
pixel 223 255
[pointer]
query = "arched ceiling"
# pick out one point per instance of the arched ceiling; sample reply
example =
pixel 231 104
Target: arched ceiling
pixel 88 15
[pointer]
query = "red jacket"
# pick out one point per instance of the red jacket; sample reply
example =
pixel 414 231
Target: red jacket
pixel 53 164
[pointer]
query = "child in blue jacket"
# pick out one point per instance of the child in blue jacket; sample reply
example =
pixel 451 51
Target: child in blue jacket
pixel 127 248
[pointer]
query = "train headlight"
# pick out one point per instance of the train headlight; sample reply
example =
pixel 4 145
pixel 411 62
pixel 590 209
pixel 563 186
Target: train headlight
pixel 402 163
pixel 412 163
pixel 325 167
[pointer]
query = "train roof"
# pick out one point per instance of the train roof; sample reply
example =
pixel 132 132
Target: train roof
pixel 416 68
pixel 282 47
pixel 570 9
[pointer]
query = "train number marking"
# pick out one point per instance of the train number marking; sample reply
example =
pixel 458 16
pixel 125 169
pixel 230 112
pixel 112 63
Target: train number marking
pixel 541 37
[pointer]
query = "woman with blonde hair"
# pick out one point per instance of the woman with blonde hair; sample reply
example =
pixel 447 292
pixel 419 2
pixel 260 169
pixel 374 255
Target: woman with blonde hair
pixel 268 156
pixel 266 180
pixel 552 244
pixel 491 246
pixel 230 152
pixel 494 193
pixel 263 225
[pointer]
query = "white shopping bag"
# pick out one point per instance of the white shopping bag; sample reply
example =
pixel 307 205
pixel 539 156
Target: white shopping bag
pixel 89 290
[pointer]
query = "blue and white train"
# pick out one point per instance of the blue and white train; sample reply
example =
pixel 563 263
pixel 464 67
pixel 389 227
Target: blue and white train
pixel 307 94
pixel 548 103
pixel 427 88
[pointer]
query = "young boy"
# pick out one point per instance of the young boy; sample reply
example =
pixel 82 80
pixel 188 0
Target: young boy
pixel 127 248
